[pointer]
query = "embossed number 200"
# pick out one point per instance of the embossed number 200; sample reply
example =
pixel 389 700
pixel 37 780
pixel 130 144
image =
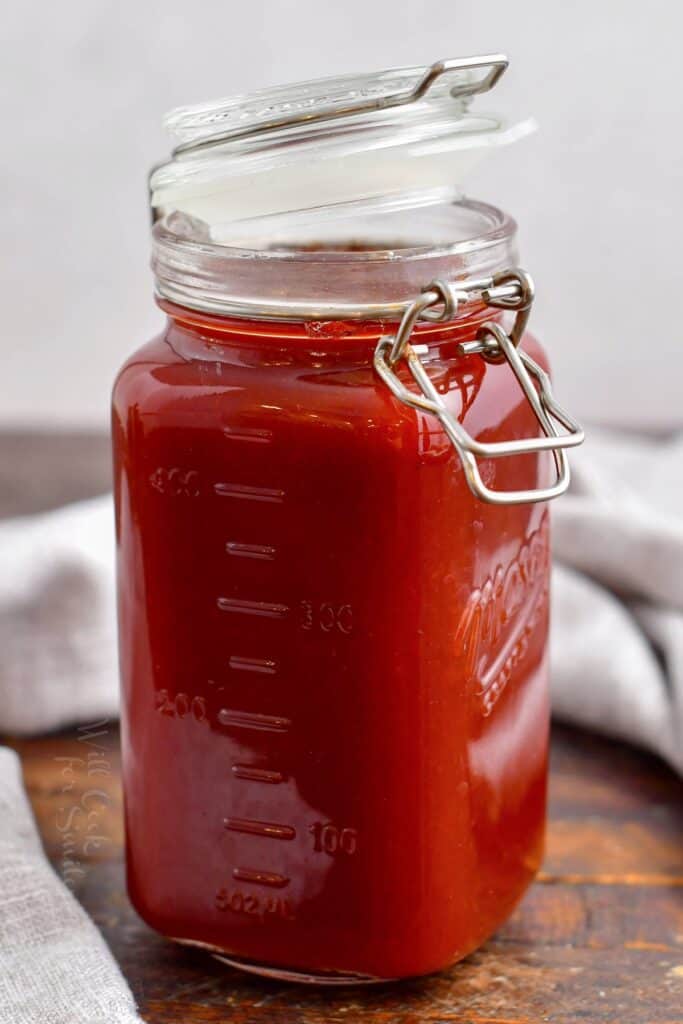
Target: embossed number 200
pixel 181 705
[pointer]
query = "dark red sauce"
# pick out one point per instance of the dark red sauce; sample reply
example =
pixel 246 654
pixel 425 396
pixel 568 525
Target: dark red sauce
pixel 333 656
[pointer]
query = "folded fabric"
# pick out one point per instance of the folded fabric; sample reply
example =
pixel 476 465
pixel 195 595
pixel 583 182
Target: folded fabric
pixel 54 965
pixel 617 625
pixel 58 618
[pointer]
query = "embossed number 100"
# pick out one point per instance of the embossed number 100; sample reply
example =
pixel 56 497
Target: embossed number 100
pixel 331 839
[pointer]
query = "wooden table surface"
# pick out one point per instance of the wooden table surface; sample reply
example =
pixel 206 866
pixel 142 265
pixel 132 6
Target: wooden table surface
pixel 599 936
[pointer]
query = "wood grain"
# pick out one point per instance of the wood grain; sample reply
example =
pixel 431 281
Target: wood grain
pixel 599 937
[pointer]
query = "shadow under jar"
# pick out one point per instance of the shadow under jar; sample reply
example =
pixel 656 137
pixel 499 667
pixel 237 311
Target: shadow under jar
pixel 333 651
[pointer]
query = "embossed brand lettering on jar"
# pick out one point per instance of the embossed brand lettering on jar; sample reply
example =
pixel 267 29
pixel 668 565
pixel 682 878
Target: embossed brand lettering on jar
pixel 494 630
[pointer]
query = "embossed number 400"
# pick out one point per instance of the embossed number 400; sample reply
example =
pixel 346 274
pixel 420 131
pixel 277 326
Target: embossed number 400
pixel 176 482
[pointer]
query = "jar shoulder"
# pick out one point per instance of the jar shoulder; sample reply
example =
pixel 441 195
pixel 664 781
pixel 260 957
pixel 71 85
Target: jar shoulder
pixel 180 379
pixel 140 364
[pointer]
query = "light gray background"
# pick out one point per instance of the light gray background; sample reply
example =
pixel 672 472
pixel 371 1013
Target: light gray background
pixel 598 193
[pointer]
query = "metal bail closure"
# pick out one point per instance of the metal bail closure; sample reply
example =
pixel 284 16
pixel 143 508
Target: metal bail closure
pixel 513 290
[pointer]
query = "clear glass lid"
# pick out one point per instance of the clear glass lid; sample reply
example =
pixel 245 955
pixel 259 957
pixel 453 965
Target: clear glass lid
pixel 392 139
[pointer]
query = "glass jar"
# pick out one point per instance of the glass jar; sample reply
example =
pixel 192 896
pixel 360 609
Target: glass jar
pixel 333 586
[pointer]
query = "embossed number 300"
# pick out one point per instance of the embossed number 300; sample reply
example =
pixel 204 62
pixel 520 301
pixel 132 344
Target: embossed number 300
pixel 326 617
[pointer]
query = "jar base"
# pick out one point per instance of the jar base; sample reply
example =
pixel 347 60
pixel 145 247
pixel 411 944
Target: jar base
pixel 298 976
pixel 295 975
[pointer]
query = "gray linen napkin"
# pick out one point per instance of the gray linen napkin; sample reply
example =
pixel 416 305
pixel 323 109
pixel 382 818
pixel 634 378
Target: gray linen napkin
pixel 54 965
pixel 617 626
pixel 58 660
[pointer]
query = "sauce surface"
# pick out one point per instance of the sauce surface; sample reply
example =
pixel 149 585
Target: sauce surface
pixel 333 656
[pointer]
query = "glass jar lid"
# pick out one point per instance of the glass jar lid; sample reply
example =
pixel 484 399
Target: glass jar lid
pixel 391 139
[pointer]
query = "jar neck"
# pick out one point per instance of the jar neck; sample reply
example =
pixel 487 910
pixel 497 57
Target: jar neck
pixel 208 337
pixel 366 269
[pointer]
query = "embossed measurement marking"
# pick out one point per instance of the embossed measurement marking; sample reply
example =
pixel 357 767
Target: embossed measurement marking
pixel 269 829
pixel 332 839
pixel 261 551
pixel 269 878
pixel 262 665
pixel 245 771
pixel 251 774
pixel 326 617
pixel 266 609
pixel 251 720
pixel 258 906
pixel 254 435
pixel 176 482
pixel 181 705
pixel 271 494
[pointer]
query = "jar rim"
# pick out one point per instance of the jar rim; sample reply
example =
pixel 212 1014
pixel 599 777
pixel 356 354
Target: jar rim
pixel 504 226
pixel 294 282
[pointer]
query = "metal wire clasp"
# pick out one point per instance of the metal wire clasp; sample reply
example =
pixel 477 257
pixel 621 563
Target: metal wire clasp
pixel 440 301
